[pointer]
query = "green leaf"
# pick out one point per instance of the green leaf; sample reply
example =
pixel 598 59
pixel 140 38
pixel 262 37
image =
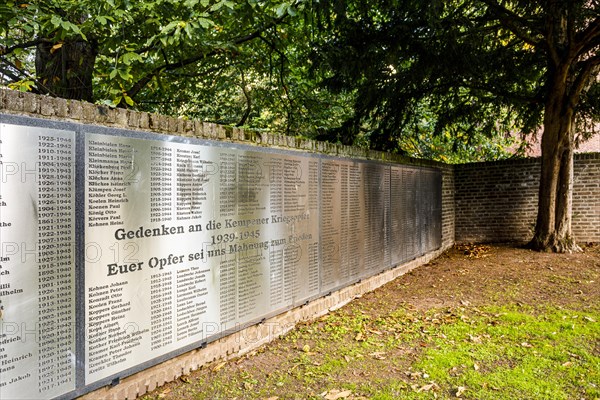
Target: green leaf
pixel 221 4
pixel 130 57
pixel 189 31
pixel 55 21
pixel 22 86
pixel 169 27
pixel 128 99
pixel 124 74
pixel 205 23
pixel 282 9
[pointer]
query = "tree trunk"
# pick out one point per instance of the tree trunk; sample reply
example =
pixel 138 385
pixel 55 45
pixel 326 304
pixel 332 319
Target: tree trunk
pixel 66 71
pixel 553 225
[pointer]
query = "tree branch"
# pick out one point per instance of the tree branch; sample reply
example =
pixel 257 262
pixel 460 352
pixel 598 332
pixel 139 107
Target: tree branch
pixel 595 42
pixel 503 93
pixel 205 72
pixel 248 100
pixel 511 20
pixel 4 51
pixel 6 72
pixel 23 74
pixel 589 38
pixel 551 48
pixel 140 84
pixel 588 67
pixel 590 33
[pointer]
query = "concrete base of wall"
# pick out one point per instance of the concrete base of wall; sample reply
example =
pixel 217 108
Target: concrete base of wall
pixel 250 338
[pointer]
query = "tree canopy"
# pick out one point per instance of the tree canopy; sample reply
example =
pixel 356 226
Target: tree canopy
pixel 233 62
pixel 447 79
pixel 479 67
pixel 459 67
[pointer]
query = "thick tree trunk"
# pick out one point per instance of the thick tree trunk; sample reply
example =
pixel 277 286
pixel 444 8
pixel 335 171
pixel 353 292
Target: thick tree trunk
pixel 553 225
pixel 66 71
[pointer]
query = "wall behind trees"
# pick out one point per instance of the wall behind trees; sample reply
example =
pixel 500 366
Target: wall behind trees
pixel 59 109
pixel 497 201
pixel 482 202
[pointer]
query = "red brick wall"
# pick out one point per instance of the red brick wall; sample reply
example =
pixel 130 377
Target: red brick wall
pixel 497 201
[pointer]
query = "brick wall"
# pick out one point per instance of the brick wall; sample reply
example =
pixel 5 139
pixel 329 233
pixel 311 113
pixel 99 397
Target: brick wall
pixel 586 198
pixel 448 206
pixel 497 201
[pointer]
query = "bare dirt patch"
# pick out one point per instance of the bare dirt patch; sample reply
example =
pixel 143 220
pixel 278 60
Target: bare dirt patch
pixel 483 274
pixel 371 345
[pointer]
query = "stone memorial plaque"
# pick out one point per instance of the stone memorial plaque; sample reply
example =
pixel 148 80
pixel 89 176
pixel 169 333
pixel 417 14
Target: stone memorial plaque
pixel 429 210
pixel 352 218
pixel 331 193
pixel 342 219
pixel 411 239
pixel 185 241
pixel 437 210
pixel 396 205
pixel 180 242
pixel 37 267
pixel 376 193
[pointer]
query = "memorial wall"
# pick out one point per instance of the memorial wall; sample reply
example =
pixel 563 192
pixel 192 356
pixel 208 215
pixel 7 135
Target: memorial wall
pixel 122 249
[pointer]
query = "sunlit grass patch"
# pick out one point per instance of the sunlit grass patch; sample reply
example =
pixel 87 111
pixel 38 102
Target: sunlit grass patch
pixel 511 352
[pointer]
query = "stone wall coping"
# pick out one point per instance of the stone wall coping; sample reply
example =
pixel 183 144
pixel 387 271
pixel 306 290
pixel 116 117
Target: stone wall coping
pixel 41 106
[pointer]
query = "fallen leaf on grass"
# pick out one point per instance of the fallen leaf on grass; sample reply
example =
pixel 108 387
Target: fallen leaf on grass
pixel 335 394
pixel 476 367
pixel 378 355
pixel 219 366
pixel 359 337
pixel 164 393
pixel 567 364
pixel 427 388
pixel 347 358
pixel 590 319
pixel 475 339
pixel 184 379
pixel 525 344
pixel 460 391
